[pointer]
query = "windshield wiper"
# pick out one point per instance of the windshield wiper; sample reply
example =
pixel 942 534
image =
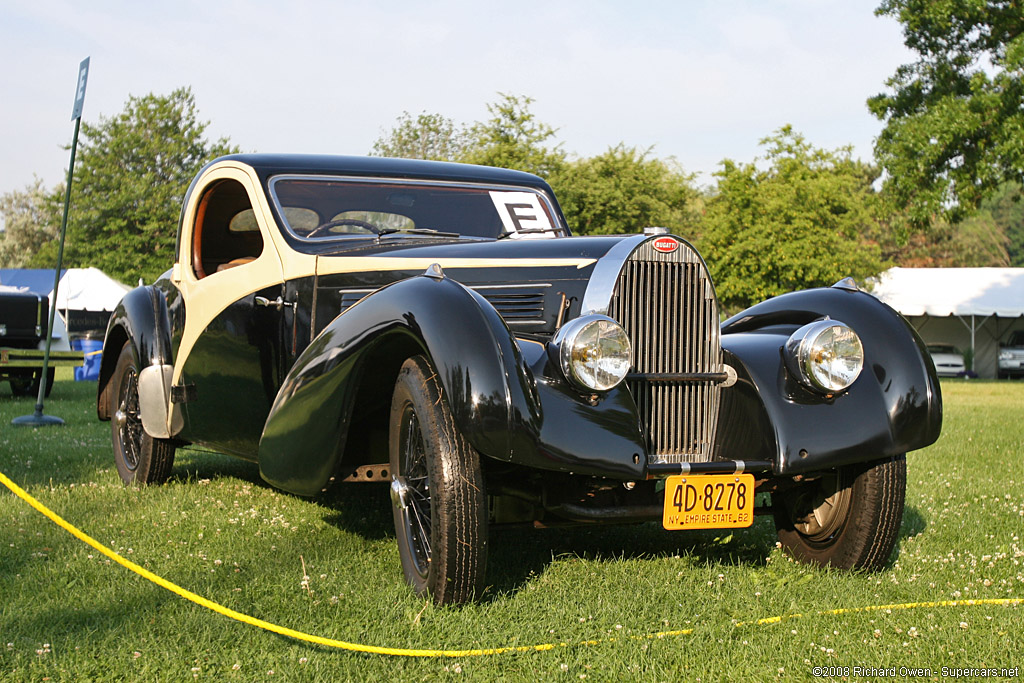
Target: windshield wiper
pixel 530 231
pixel 416 231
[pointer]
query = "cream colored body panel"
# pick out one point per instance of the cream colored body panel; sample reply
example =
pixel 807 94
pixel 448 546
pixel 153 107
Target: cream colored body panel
pixel 206 298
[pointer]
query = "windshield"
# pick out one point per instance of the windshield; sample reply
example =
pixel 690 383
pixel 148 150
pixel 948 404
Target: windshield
pixel 319 208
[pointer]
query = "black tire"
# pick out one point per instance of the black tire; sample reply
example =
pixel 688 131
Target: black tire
pixel 140 458
pixel 22 386
pixel 29 386
pixel 849 518
pixel 439 502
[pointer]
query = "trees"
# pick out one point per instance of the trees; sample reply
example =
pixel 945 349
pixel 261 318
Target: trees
pixel 513 138
pixel 792 221
pixel 428 136
pixel 953 119
pixel 31 218
pixel 624 190
pixel 131 178
pixel 993 236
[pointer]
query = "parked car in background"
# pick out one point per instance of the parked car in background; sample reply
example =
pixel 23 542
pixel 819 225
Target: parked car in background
pixel 1011 356
pixel 948 360
pixel 23 324
pixel 436 328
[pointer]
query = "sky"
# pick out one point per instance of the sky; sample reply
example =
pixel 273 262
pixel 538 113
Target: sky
pixel 695 80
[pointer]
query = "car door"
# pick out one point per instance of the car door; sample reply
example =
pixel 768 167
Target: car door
pixel 235 346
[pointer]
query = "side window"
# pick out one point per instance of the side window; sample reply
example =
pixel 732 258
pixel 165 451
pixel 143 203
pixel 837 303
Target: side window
pixel 225 233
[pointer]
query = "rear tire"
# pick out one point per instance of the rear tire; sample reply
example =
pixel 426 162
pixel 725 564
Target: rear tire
pixel 849 518
pixel 140 459
pixel 437 491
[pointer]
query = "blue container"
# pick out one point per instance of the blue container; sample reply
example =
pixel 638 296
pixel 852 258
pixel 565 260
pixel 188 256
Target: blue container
pixel 93 349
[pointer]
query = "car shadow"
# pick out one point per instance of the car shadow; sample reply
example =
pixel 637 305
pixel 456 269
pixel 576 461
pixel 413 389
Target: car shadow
pixel 517 555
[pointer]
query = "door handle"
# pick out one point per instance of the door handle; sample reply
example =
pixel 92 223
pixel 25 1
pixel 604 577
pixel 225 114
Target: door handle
pixel 277 303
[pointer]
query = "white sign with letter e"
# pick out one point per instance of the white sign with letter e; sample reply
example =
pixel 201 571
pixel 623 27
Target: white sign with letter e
pixel 521 212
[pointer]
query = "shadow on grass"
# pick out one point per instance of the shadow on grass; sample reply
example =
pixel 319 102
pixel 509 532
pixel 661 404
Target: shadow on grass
pixel 362 509
pixel 192 464
pixel 517 555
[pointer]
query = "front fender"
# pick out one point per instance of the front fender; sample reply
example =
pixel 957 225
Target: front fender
pixel 894 406
pixel 483 376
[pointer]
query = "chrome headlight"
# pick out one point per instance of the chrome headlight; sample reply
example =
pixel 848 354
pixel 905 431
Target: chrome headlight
pixel 826 355
pixel 593 352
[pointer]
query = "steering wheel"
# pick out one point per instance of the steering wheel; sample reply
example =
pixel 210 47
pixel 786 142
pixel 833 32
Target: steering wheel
pixel 324 227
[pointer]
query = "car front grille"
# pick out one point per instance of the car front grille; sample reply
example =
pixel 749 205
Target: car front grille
pixel 667 305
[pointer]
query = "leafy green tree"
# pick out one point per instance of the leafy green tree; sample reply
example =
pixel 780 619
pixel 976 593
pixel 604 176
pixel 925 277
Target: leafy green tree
pixel 1006 205
pixel 428 136
pixel 953 119
pixel 793 219
pixel 31 218
pixel 623 191
pixel 993 236
pixel 513 138
pixel 132 175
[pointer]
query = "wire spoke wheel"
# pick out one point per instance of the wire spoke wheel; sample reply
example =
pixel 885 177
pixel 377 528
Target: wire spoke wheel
pixel 437 492
pixel 140 458
pixel 127 418
pixel 415 516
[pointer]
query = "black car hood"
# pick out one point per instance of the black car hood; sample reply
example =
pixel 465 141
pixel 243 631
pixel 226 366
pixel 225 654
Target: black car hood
pixel 425 246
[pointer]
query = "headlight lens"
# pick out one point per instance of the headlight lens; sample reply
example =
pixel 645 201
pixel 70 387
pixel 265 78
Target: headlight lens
pixel 594 352
pixel 827 355
pixel 1005 355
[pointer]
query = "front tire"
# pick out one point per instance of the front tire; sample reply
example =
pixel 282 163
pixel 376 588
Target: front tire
pixel 140 459
pixel 437 491
pixel 849 518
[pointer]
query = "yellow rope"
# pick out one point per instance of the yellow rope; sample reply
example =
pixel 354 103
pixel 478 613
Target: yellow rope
pixel 406 652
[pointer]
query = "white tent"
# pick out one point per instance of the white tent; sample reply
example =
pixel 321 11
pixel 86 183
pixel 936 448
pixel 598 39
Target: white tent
pixel 89 289
pixel 85 296
pixel 80 289
pixel 972 308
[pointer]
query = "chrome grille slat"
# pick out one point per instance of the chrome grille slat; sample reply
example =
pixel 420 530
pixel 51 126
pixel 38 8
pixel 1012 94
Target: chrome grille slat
pixel 666 304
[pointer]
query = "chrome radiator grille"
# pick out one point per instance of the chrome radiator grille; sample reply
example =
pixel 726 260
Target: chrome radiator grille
pixel 667 305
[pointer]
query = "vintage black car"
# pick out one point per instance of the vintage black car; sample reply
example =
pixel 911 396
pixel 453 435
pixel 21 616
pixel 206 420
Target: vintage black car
pixel 436 327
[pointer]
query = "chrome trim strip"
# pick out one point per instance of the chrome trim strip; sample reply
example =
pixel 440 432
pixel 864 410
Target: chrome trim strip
pixel 606 273
pixel 530 286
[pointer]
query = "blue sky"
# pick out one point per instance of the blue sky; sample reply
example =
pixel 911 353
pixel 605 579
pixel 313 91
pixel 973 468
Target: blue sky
pixel 697 80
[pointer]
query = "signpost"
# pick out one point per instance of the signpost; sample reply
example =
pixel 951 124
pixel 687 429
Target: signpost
pixel 37 419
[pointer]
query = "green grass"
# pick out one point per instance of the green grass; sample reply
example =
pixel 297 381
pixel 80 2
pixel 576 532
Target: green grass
pixel 68 613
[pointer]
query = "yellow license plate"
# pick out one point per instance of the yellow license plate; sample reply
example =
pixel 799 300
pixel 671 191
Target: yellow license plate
pixel 709 501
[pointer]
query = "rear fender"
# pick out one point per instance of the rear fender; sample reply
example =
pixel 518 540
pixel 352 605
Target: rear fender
pixel 484 378
pixel 894 406
pixel 141 319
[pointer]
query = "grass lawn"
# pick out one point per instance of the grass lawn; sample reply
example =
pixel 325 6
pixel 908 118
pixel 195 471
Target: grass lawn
pixel 69 613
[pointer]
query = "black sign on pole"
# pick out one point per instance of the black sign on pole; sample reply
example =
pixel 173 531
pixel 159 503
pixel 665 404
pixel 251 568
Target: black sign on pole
pixel 37 419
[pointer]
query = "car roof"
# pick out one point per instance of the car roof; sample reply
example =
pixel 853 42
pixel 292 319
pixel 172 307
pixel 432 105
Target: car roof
pixel 268 165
